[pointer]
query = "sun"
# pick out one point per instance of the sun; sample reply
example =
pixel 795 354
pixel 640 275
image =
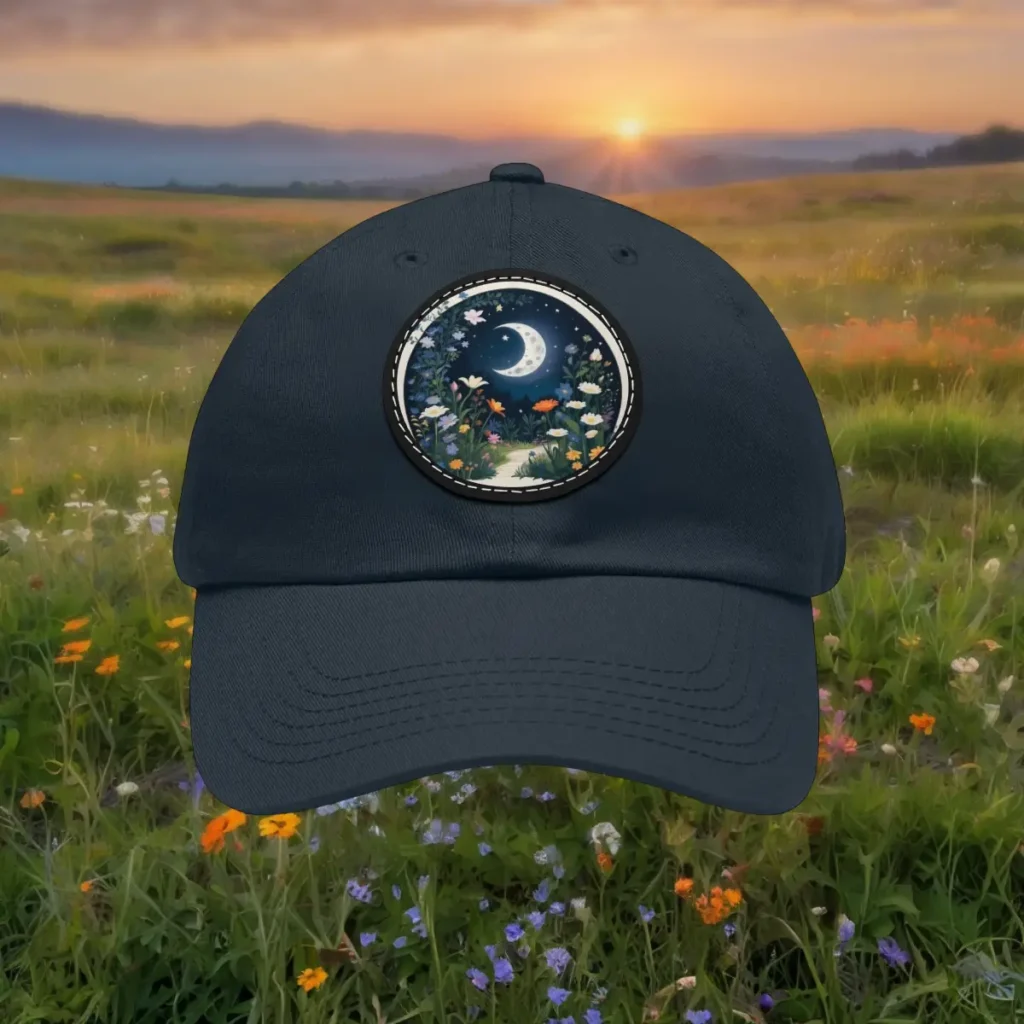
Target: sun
pixel 629 129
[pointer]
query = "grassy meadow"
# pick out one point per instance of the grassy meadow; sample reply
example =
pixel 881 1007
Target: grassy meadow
pixel 518 894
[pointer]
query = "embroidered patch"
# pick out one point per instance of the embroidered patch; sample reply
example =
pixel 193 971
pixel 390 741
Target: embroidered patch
pixel 512 387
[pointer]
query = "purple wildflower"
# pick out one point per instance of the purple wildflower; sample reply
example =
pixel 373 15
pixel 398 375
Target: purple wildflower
pixel 765 1002
pixel 365 938
pixel 892 954
pixel 592 1016
pixel 413 913
pixel 484 904
pixel 478 978
pixel 536 920
pixel 557 959
pixel 433 833
pixel 846 930
pixel 646 913
pixel 546 796
pixel 400 942
pixel 503 973
pixel 484 849
pixel 558 995
pixel 358 892
pixel 196 788
pixel 420 929
pixel 541 893
pixel 411 800
pixel 451 833
pixel 526 792
pixel 697 1016
pixel 558 909
pixel 730 929
pixel 514 932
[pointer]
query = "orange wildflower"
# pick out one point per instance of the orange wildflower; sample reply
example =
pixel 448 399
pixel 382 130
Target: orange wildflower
pixel 66 659
pixel 683 887
pixel 596 450
pixel 73 625
pixel 168 645
pixel 572 455
pixel 178 620
pixel 496 406
pixel 87 885
pixel 545 405
pixel 456 464
pixel 32 798
pixel 212 839
pixel 718 904
pixel 109 665
pixel 279 826
pixel 188 663
pixel 75 647
pixel 17 491
pixel 990 645
pixel 311 978
pixel 604 861
pixel 923 723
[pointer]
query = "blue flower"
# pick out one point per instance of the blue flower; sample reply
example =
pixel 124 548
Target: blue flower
pixel 478 978
pixel 729 929
pixel 536 920
pixel 411 800
pixel 400 942
pixel 452 449
pixel 365 938
pixel 484 904
pixel 846 931
pixel 451 833
pixel 765 1002
pixel 892 954
pixel 358 892
pixel 196 788
pixel 484 849
pixel 413 913
pixel 646 913
pixel 526 792
pixel 698 1016
pixel 541 893
pixel 433 833
pixel 433 400
pixel 396 891
pixel 564 391
pixel 545 797
pixel 514 932
pixel 422 882
pixel 420 930
pixel 592 1016
pixel 558 995
pixel 558 909
pixel 503 972
pixel 557 959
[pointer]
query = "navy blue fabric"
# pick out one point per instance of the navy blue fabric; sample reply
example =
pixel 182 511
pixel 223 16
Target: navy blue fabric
pixel 305 695
pixel 328 564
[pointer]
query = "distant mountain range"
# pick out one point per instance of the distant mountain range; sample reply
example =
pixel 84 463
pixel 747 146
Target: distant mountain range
pixel 53 145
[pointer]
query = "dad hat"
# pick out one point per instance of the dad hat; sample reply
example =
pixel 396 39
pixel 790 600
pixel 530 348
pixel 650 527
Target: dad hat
pixel 512 474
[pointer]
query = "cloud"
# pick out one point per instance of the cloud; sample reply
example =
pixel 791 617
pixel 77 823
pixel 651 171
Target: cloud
pixel 37 27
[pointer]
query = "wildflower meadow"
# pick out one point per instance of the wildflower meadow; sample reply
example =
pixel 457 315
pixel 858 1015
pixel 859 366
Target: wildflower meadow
pixel 518 894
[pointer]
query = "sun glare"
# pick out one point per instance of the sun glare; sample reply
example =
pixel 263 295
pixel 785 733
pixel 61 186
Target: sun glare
pixel 630 129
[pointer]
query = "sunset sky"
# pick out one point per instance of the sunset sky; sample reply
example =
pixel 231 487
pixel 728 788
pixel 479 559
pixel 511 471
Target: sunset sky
pixel 490 67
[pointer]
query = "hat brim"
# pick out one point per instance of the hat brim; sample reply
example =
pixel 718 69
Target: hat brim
pixel 302 696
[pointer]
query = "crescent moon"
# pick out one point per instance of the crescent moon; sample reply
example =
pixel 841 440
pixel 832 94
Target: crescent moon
pixel 534 351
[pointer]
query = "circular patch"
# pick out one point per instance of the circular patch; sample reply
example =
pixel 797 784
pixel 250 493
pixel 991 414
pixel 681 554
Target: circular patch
pixel 512 388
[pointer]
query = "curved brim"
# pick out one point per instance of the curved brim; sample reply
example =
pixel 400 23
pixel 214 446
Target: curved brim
pixel 302 696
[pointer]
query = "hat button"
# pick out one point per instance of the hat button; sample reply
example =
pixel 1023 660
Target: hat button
pixel 518 172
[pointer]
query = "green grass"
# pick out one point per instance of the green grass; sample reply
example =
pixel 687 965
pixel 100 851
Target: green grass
pixel 902 295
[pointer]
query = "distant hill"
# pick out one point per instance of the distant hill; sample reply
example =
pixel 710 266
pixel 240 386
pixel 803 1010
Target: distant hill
pixel 262 157
pixel 996 145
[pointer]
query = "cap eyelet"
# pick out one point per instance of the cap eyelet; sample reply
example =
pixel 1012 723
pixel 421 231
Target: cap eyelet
pixel 623 254
pixel 410 260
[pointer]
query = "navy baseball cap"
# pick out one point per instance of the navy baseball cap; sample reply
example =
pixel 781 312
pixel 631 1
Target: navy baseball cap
pixel 512 474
